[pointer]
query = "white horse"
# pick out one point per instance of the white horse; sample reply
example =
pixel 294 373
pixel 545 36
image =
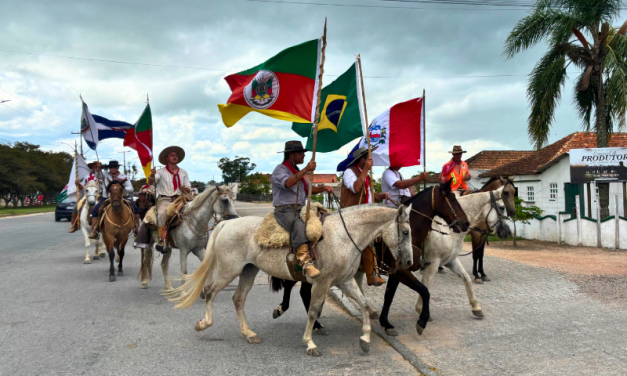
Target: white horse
pixel 444 250
pixel 232 252
pixel 91 191
pixel 192 234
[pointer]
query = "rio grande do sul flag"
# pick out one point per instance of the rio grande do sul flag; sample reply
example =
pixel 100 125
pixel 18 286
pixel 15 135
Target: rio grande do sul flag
pixel 284 87
pixel 83 171
pixel 398 134
pixel 139 138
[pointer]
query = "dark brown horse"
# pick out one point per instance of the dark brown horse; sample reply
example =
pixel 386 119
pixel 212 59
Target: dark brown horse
pixel 117 223
pixel 431 202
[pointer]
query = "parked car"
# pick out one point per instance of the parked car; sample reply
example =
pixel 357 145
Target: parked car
pixel 64 210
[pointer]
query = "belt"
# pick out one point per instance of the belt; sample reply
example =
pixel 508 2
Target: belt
pixel 293 206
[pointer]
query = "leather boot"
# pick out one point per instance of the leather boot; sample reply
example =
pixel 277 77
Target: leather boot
pixel 75 225
pixel 161 244
pixel 95 228
pixel 137 220
pixel 368 264
pixel 304 260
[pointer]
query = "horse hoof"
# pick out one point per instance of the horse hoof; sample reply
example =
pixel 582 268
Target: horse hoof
pixel 430 319
pixel 391 332
pixel 199 327
pixel 441 271
pixel 276 313
pixel 365 346
pixel 120 273
pixel 321 331
pixel 144 285
pixel 202 295
pixel 254 340
pixel 313 352
pixel 478 313
pixel 485 278
pixel 103 254
pixel 374 315
pixel 87 262
pixel 478 281
pixel 420 327
pixel 111 278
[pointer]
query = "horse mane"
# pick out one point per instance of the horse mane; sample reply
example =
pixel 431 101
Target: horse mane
pixel 492 180
pixel 114 182
pixel 200 199
pixel 91 183
pixel 415 197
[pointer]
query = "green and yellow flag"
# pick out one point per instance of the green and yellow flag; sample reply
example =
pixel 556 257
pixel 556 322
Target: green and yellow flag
pixel 341 119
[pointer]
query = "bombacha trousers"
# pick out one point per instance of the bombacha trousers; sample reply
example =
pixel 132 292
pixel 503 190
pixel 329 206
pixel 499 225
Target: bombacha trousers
pixel 162 208
pixel 287 215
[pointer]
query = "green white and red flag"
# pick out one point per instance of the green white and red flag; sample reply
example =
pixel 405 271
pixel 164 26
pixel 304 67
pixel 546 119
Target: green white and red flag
pixel 283 87
pixel 140 138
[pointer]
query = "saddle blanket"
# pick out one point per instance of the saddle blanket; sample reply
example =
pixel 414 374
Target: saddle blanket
pixel 271 234
pixel 173 210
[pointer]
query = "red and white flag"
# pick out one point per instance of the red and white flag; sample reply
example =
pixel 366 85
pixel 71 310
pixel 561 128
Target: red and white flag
pixel 399 135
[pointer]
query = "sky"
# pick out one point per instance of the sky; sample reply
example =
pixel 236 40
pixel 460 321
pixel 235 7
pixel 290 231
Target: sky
pixel 405 48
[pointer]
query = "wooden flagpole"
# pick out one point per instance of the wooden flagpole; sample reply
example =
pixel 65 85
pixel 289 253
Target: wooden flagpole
pixel 317 118
pixel 363 94
pixel 76 182
pixel 424 139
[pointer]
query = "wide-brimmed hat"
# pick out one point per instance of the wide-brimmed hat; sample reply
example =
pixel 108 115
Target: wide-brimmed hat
pixel 291 146
pixel 90 165
pixel 457 149
pixel 164 154
pixel 357 154
pixel 114 164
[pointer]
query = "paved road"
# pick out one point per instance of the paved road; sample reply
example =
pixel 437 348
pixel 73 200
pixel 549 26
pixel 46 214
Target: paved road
pixel 59 316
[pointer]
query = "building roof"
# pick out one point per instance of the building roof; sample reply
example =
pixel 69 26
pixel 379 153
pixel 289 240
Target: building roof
pixel 323 178
pixel 539 161
pixel 490 159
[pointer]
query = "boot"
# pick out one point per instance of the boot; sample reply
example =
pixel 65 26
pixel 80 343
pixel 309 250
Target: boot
pixel 137 220
pixel 95 228
pixel 161 244
pixel 368 264
pixel 304 260
pixel 75 225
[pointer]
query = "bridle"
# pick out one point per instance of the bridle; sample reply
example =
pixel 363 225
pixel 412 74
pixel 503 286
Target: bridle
pixel 200 229
pixel 456 221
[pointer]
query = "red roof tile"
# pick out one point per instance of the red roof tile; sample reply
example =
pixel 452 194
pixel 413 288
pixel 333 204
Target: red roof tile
pixel 323 178
pixel 540 160
pixel 490 159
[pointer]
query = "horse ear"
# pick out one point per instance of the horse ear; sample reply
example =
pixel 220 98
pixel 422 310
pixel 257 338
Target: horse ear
pixel 446 187
pixel 401 212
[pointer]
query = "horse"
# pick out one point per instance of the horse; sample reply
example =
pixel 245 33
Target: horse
pixel 232 251
pixel 424 206
pixel 91 191
pixel 440 249
pixel 192 234
pixel 118 220
pixel 478 243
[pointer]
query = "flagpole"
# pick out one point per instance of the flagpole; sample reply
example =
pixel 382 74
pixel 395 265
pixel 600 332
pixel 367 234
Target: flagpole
pixel 363 94
pixel 76 182
pixel 153 165
pixel 424 138
pixel 317 118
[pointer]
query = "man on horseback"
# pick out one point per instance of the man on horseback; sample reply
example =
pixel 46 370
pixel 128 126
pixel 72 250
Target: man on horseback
pixel 393 183
pixel 356 191
pixel 81 184
pixel 171 181
pixel 456 169
pixel 289 193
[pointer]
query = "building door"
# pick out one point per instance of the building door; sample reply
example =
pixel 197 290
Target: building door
pixel 571 191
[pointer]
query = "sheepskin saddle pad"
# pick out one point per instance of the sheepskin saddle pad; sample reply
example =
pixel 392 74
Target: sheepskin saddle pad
pixel 173 210
pixel 270 234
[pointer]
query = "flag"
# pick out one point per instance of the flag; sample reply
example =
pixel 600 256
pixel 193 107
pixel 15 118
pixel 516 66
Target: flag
pixel 343 165
pixel 341 119
pixel 284 87
pixel 110 128
pixel 139 137
pixel 399 135
pixel 83 171
pixel 89 129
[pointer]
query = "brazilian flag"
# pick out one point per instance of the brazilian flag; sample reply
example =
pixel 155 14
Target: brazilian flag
pixel 340 114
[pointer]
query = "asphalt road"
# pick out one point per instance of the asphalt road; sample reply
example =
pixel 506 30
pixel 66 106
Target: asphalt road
pixel 59 316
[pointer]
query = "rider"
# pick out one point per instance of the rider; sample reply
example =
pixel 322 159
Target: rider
pixel 289 193
pixel 456 169
pixel 107 177
pixel 356 191
pixel 81 184
pixel 392 182
pixel 171 182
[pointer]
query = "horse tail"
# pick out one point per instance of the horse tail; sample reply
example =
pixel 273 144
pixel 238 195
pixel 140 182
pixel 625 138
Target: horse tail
pixel 185 295
pixel 276 284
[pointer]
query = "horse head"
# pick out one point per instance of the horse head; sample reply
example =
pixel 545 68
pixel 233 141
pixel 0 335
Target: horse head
pixel 116 194
pixel 446 206
pixel 224 204
pixel 509 192
pixel 91 192
pixel 397 236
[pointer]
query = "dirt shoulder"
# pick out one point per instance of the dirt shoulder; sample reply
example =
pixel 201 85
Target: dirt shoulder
pixel 12 211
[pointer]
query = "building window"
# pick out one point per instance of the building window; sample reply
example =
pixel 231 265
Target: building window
pixel 553 191
pixel 530 194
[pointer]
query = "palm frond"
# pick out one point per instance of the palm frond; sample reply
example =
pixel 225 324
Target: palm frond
pixel 584 102
pixel 530 30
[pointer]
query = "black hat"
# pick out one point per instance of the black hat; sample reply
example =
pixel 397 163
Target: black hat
pixel 113 164
pixel 357 154
pixel 291 146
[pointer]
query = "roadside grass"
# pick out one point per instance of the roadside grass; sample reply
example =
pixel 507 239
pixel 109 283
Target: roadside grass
pixel 5 212
pixel 494 238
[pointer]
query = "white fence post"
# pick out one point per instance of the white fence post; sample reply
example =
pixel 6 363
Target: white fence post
pixel 598 222
pixel 578 220
pixel 616 224
pixel 557 217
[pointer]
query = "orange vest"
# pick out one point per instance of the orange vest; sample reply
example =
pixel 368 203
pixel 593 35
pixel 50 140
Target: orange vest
pixel 458 180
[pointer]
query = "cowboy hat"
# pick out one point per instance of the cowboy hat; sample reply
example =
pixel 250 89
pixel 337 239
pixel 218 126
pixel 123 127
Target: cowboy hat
pixel 114 164
pixel 457 149
pixel 357 154
pixel 291 146
pixel 90 165
pixel 163 157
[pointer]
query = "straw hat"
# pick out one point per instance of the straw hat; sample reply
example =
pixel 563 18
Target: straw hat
pixel 163 156
pixel 457 149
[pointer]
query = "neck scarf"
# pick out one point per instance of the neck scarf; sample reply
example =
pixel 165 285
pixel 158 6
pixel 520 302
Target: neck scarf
pixel 294 171
pixel 366 186
pixel 176 179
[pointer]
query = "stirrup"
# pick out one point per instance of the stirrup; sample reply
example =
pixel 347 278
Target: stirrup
pixel 161 248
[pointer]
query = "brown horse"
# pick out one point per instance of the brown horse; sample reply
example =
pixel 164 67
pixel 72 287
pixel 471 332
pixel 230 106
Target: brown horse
pixel 117 224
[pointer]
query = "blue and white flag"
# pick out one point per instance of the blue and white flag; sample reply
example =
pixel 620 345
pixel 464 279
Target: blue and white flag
pixel 111 128
pixel 89 129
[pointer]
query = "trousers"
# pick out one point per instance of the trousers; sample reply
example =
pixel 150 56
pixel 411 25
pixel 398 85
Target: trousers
pixel 289 219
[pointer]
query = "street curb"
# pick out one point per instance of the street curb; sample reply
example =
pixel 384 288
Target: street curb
pixel 24 215
pixel 337 295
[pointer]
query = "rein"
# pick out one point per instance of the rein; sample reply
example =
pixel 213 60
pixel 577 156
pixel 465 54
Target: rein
pixel 200 229
pixel 489 231
pixel 127 207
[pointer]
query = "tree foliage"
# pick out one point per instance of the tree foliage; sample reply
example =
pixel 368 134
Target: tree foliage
pixel 523 214
pixel 256 184
pixel 236 169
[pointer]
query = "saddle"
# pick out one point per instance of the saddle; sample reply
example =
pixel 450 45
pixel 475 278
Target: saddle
pixel 174 213
pixel 107 205
pixel 270 234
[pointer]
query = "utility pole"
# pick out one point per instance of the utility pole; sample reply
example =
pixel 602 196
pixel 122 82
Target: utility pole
pixel 124 159
pixel 81 135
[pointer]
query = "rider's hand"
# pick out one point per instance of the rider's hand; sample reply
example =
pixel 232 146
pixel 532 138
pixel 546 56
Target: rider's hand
pixel 384 196
pixel 80 186
pixel 424 176
pixel 328 189
pixel 311 166
pixel 369 163
pixel 153 171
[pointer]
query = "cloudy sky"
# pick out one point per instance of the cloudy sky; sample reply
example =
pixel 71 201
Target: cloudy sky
pixel 405 48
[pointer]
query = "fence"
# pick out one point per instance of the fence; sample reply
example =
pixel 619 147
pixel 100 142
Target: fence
pixel 251 198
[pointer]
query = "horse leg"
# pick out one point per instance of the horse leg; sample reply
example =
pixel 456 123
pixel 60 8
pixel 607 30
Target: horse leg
pixel 408 279
pixel 476 250
pixel 484 277
pixel 246 281
pixel 305 295
pixel 457 268
pixel 427 274
pixel 351 290
pixel 87 259
pixel 285 304
pixel 146 271
pixel 211 290
pixel 100 246
pixel 111 251
pixel 165 263
pixel 121 258
pixel 319 292
pixel 390 290
pixel 359 278
pixel 183 257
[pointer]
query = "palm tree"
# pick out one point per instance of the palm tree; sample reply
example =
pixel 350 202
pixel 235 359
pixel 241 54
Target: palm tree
pixel 578 32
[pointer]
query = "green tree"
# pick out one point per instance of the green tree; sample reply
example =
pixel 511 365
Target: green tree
pixel 523 214
pixel 199 184
pixel 578 32
pixel 236 169
pixel 256 184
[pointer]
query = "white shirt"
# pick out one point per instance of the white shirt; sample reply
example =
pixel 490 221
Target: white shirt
pixel 165 187
pixel 108 178
pixel 387 185
pixel 349 179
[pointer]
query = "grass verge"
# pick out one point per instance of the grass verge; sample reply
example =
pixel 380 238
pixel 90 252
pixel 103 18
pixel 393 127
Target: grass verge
pixel 11 211
pixel 494 238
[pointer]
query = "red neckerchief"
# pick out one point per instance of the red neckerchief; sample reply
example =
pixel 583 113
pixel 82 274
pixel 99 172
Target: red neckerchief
pixel 294 171
pixel 449 167
pixel 366 186
pixel 176 179
pixel 91 176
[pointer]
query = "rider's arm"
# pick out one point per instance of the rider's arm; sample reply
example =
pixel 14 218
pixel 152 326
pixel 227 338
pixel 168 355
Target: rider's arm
pixel 128 187
pixel 349 179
